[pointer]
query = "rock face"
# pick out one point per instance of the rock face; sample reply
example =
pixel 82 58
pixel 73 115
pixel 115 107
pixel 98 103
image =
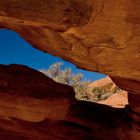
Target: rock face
pixel 111 95
pixel 105 83
pixel 97 35
pixel 118 100
pixel 133 88
pixel 28 95
pixel 102 82
pixel 53 113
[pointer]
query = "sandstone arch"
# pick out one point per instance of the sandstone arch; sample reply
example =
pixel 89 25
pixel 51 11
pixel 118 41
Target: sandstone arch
pixel 97 35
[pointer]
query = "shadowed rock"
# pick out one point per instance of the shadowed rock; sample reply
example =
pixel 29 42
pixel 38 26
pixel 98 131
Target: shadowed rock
pixel 52 114
pixel 97 35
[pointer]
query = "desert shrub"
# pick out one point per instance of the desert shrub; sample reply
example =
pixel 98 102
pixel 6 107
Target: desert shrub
pixel 66 76
pixel 105 96
pixel 103 92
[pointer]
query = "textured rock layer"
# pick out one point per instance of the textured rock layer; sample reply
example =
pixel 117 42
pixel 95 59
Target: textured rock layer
pixel 29 95
pixel 55 114
pixel 115 97
pixel 118 100
pixel 97 35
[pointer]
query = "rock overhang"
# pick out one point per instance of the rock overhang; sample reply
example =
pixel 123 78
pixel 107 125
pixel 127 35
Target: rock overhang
pixel 97 35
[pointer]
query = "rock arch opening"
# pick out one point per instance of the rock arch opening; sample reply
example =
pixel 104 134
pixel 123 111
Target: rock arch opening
pixel 105 39
pixel 15 50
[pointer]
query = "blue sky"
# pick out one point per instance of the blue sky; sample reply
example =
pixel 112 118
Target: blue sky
pixel 14 50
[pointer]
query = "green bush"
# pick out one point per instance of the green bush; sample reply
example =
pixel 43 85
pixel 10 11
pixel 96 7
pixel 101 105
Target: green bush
pixel 66 76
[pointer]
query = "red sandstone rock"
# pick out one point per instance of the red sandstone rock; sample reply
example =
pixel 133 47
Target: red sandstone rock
pixel 29 95
pixel 27 114
pixel 97 35
pixel 118 100
pixel 101 82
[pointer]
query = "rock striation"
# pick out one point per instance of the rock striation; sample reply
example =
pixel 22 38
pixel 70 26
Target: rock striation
pixel 53 113
pixel 97 35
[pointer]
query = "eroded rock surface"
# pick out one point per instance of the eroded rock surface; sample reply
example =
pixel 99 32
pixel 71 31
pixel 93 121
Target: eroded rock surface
pixel 53 113
pixel 110 94
pixel 118 100
pixel 28 95
pixel 105 91
pixel 97 35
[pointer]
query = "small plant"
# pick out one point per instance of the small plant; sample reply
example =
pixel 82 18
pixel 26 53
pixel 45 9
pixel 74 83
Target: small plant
pixel 66 76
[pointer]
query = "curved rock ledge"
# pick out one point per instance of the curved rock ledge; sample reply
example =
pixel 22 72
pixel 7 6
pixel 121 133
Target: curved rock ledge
pixel 53 113
pixel 97 35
